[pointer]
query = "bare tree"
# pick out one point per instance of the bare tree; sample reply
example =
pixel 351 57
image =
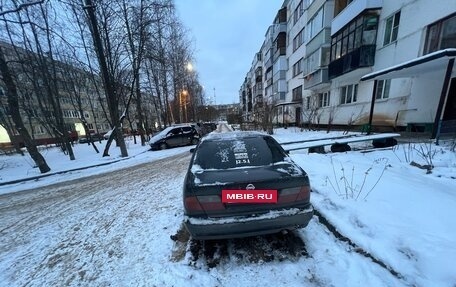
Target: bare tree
pixel 109 58
pixel 32 30
pixel 332 111
pixel 311 113
pixel 353 119
pixel 13 104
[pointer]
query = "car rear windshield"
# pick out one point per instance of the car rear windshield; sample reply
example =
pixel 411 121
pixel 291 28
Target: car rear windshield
pixel 232 153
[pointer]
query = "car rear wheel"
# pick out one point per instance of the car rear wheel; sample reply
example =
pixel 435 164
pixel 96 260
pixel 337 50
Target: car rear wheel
pixel 194 141
pixel 163 146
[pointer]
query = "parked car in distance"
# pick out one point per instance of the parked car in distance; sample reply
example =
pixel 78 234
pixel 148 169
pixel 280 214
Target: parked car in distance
pixel 197 126
pixel 85 138
pixel 210 127
pixel 241 184
pixel 174 136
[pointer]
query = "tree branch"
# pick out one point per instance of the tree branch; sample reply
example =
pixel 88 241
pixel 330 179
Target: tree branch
pixel 21 6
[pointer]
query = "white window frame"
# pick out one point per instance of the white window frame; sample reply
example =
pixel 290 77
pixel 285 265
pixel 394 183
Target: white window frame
pixel 299 10
pixel 383 89
pixel 392 28
pixel 323 99
pixel 349 94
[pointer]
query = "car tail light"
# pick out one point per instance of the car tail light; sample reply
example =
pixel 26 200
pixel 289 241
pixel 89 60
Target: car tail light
pixel 192 204
pixel 198 204
pixel 211 202
pixel 294 194
pixel 304 193
pixel 289 194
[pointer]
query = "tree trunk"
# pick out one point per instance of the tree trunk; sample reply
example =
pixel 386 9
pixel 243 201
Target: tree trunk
pixel 13 104
pixel 107 79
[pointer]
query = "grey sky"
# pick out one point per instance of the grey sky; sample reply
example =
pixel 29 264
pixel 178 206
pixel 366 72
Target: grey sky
pixel 227 34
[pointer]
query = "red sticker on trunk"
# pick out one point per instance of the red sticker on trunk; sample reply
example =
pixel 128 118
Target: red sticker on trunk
pixel 249 196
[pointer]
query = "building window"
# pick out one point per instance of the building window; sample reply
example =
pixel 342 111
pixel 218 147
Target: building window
pixel 441 35
pixel 308 103
pixel 349 94
pixel 323 99
pixel 298 40
pixel 392 28
pixel 39 130
pixel 383 87
pixel 297 93
pixel 297 68
pixel 298 12
pixel 315 25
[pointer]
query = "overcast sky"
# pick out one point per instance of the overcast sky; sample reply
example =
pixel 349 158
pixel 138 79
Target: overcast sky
pixel 226 34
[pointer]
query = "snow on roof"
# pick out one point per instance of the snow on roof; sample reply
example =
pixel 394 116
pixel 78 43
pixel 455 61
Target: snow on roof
pixel 233 135
pixel 414 63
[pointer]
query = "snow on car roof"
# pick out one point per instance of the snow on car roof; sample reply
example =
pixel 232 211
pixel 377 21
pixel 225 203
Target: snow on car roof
pixel 233 135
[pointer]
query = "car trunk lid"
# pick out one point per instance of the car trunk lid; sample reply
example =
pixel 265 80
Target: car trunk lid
pixel 291 183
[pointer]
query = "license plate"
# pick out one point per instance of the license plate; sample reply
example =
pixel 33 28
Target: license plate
pixel 249 196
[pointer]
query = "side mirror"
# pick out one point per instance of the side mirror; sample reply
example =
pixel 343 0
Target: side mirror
pixel 192 150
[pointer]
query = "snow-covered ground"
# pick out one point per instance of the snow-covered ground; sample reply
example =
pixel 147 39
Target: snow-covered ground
pixel 401 215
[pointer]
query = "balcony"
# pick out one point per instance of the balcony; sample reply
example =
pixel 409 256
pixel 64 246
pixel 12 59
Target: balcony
pixel 258 90
pixel 280 52
pixel 314 7
pixel 315 79
pixel 279 28
pixel 324 37
pixel 279 97
pixel 258 75
pixel 351 11
pixel 362 57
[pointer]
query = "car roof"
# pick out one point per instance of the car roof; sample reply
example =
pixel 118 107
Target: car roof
pixel 233 135
pixel 180 126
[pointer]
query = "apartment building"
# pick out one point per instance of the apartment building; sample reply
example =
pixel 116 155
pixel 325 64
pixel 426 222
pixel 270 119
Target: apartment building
pixel 265 83
pixel 336 49
pixel 313 42
pixel 77 90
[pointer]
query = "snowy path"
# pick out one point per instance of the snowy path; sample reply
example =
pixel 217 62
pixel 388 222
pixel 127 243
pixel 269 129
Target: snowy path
pixel 114 230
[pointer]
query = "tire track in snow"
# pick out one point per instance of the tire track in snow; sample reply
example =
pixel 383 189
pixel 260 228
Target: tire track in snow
pixel 90 219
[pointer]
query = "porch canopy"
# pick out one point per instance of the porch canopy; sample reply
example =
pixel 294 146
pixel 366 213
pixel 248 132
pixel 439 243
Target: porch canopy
pixel 430 63
pixel 418 66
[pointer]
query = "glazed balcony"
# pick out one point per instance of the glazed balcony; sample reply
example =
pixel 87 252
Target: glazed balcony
pixel 362 57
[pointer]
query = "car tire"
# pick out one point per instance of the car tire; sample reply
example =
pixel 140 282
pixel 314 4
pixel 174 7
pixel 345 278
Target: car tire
pixel 163 146
pixel 340 147
pixel 194 141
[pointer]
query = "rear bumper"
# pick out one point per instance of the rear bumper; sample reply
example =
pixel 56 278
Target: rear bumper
pixel 235 227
